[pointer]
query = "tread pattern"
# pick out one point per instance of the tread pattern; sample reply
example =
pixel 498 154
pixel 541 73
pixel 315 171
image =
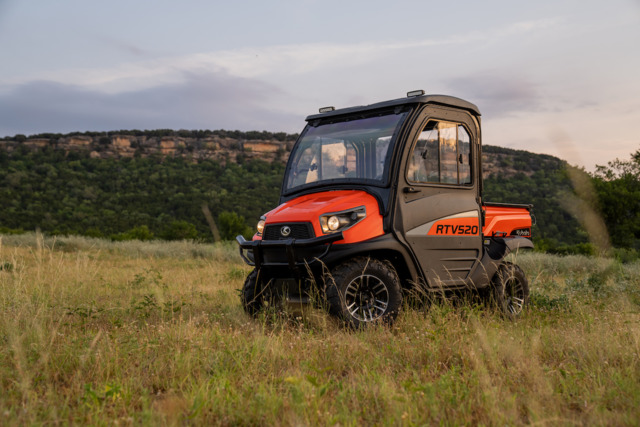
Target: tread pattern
pixel 508 271
pixel 250 296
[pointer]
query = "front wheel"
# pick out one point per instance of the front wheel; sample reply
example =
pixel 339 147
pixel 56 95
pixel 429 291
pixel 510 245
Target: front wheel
pixel 253 294
pixel 511 290
pixel 362 291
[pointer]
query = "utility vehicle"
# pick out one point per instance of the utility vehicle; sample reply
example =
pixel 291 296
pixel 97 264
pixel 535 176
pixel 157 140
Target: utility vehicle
pixel 382 199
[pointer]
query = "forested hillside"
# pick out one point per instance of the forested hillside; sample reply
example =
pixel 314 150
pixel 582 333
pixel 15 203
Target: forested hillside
pixel 516 176
pixel 72 193
pixel 104 187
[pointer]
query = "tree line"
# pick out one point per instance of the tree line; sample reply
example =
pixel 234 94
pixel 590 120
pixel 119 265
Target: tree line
pixel 163 197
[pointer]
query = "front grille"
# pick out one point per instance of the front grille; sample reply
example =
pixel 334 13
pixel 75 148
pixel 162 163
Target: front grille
pixel 299 230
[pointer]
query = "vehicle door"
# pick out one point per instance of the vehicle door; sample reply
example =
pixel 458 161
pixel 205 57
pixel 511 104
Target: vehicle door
pixel 438 199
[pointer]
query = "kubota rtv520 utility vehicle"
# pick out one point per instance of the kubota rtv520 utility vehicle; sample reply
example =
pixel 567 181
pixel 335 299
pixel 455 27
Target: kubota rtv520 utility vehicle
pixel 380 199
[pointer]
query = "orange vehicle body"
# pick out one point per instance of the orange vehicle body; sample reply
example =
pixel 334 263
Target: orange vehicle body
pixel 499 221
pixel 308 208
pixel 507 221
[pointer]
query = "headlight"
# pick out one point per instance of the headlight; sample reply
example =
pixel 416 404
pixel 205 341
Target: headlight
pixel 338 221
pixel 333 223
pixel 260 225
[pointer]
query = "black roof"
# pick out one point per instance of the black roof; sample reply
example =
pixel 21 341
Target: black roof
pixel 445 100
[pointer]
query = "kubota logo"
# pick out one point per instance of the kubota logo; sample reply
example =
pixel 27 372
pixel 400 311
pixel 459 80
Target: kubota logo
pixel 521 232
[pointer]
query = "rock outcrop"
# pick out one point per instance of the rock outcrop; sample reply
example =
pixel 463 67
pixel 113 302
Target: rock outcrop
pixel 211 147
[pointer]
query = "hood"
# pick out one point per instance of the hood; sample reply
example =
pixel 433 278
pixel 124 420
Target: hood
pixel 309 207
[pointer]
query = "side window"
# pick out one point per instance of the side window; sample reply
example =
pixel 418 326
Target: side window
pixel 442 154
pixel 464 155
pixel 448 153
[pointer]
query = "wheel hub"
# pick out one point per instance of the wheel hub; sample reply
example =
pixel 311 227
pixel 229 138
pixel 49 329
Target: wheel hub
pixel 366 298
pixel 514 296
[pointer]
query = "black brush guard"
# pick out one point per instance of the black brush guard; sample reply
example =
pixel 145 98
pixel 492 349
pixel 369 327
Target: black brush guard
pixel 281 253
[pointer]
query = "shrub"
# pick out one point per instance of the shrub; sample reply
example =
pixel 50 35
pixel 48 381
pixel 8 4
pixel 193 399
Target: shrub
pixel 180 230
pixel 231 224
pixel 140 232
pixel 625 255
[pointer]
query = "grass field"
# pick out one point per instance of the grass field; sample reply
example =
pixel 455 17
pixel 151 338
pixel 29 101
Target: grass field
pixel 94 332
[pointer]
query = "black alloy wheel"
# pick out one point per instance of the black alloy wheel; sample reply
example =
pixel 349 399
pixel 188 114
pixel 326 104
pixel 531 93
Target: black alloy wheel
pixel 362 291
pixel 511 290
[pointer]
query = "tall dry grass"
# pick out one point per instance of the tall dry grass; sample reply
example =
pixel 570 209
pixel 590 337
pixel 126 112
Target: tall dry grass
pixel 94 332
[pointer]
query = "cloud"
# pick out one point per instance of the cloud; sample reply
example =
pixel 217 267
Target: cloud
pixel 499 94
pixel 296 59
pixel 123 46
pixel 275 63
pixel 200 101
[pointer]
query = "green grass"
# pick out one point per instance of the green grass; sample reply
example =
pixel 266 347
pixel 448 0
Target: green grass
pixel 96 332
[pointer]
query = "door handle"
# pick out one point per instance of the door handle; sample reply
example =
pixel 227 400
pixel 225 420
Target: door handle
pixel 410 190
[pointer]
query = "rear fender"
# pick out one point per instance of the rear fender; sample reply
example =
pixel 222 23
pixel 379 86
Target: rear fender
pixel 515 243
pixel 494 254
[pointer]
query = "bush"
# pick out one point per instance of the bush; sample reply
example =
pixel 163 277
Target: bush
pixel 552 246
pixel 231 224
pixel 578 249
pixel 626 255
pixel 141 232
pixel 6 230
pixel 93 232
pixel 180 230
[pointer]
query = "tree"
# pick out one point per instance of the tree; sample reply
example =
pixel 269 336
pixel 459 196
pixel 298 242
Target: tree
pixel 231 224
pixel 618 192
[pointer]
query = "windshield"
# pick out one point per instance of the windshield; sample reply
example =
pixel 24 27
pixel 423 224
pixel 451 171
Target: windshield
pixel 354 150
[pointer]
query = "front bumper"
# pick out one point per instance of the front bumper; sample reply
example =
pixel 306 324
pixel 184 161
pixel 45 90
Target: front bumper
pixel 290 253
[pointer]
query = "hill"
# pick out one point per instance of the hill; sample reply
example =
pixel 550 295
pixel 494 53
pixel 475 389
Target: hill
pixel 154 183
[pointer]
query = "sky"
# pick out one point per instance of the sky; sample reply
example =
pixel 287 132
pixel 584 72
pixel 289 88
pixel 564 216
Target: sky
pixel 551 76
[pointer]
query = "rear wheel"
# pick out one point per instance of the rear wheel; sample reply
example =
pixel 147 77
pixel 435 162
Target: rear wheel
pixel 362 291
pixel 511 290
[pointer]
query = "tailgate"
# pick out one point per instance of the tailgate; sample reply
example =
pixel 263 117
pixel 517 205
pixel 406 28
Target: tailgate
pixel 503 219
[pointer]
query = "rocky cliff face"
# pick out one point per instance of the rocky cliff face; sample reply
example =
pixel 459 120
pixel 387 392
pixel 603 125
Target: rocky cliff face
pixel 217 148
